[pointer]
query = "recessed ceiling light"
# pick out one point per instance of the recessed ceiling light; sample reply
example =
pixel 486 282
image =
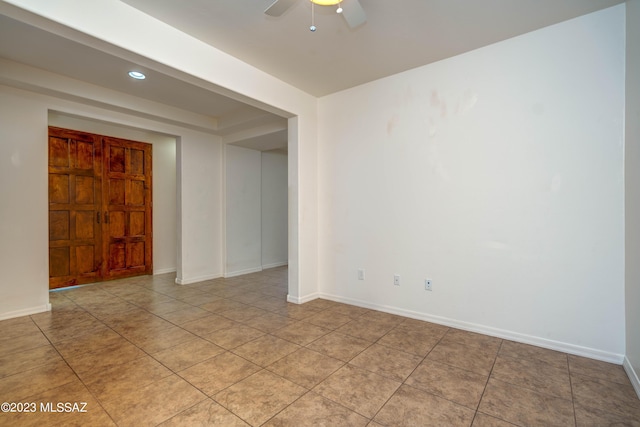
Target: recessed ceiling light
pixel 137 75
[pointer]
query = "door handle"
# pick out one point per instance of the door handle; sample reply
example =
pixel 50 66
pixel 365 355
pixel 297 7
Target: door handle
pixel 98 217
pixel 106 217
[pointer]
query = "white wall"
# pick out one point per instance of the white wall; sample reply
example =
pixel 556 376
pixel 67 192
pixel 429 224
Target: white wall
pixel 243 210
pixel 498 175
pixel 632 192
pixel 200 204
pixel 165 228
pixel 274 209
pixel 164 182
pixel 24 228
pixel 256 210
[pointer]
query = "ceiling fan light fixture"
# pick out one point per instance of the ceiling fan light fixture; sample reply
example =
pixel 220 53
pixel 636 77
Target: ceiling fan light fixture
pixel 326 2
pixel 353 14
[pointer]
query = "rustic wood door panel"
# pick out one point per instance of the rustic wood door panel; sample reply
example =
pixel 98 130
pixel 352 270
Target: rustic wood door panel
pixel 99 208
pixel 75 185
pixel 127 166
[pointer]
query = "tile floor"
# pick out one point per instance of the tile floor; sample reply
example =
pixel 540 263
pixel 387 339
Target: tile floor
pixel 233 352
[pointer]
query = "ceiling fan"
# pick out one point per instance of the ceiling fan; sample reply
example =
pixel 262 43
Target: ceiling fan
pixel 351 10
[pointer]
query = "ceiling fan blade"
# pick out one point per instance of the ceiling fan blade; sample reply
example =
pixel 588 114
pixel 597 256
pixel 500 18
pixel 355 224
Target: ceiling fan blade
pixel 279 7
pixel 353 13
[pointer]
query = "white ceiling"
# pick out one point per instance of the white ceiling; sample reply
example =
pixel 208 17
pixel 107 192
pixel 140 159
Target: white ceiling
pixel 398 35
pixel 235 121
pixel 26 44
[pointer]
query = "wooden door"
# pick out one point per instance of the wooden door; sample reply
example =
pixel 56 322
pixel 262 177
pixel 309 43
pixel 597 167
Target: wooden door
pixel 75 237
pixel 99 208
pixel 127 204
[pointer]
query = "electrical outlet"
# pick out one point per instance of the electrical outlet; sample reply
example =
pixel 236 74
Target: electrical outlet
pixel 427 284
pixel 361 274
pixel 396 279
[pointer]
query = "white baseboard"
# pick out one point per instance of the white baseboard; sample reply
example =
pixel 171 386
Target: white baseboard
pixel 302 300
pixel 632 374
pixel 164 271
pixel 242 272
pixel 25 311
pixel 486 330
pixel 274 265
pixel 197 279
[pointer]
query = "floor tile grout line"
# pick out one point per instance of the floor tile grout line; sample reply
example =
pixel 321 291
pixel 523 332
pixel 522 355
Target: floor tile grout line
pixel 262 369
pixel 187 409
pixel 405 380
pixel 130 342
pixel 76 374
pixel 486 384
pixel 347 362
pixel 343 365
pixel 142 308
pixel 573 398
pixel 531 388
pixel 151 355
